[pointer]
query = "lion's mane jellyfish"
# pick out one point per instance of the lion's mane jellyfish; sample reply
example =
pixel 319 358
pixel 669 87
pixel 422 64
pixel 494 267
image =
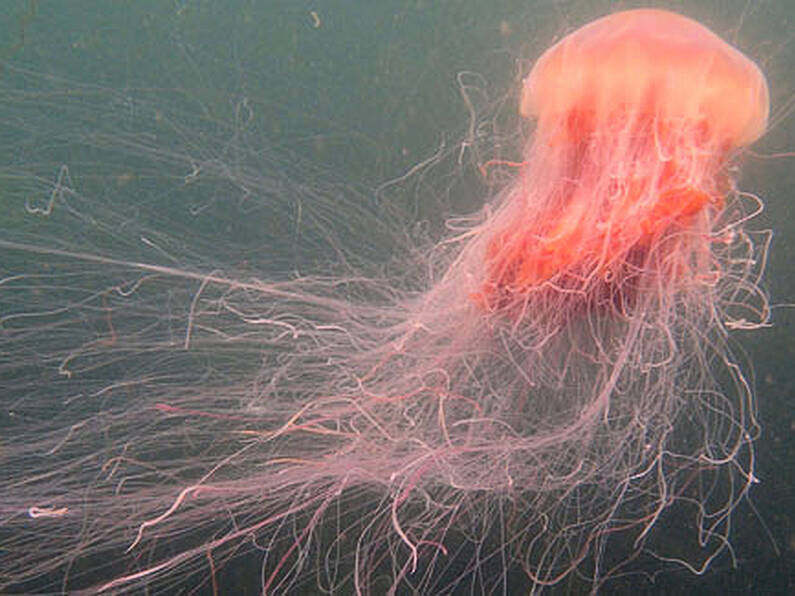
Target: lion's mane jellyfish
pixel 554 380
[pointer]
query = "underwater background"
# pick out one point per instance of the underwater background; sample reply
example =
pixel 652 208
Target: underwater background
pixel 347 98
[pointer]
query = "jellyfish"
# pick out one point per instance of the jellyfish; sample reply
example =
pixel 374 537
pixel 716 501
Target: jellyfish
pixel 522 405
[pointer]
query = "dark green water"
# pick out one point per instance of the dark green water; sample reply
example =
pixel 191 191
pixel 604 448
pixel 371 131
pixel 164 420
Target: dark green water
pixel 342 96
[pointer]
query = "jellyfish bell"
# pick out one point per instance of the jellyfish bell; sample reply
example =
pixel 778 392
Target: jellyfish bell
pixel 636 116
pixel 666 66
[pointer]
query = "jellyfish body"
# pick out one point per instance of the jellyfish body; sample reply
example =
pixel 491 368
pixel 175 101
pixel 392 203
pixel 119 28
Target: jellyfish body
pixel 553 377
pixel 637 114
